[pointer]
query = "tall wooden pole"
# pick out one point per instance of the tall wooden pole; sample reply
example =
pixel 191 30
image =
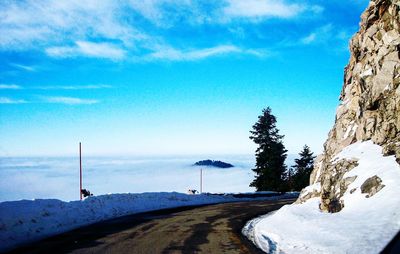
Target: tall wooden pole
pixel 201 180
pixel 80 170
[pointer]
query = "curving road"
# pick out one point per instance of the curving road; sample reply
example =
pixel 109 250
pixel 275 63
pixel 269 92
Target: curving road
pixel 205 229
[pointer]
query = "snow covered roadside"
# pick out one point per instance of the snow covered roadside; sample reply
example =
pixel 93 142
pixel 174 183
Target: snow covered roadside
pixel 364 225
pixel 30 220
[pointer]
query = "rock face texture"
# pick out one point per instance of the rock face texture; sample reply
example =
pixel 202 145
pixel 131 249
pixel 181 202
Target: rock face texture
pixel 369 102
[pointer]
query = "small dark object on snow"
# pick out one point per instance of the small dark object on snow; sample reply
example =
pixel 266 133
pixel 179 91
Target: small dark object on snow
pixel 218 164
pixel 192 192
pixel 86 193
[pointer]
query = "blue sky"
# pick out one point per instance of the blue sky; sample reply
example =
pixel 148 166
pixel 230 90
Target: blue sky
pixel 169 77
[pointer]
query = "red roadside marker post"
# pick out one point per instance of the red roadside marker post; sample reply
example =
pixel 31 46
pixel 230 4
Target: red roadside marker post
pixel 201 180
pixel 80 170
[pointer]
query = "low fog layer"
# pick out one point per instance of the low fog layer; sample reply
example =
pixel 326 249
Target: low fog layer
pixel 30 178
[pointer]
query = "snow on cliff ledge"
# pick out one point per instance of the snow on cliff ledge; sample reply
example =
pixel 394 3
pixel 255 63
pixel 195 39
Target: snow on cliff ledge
pixel 364 225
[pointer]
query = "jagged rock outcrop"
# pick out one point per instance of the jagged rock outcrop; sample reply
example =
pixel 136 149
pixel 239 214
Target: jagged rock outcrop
pixel 371 186
pixel 369 103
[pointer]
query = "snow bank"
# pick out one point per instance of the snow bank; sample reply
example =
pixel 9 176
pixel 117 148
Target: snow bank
pixel 364 225
pixel 30 220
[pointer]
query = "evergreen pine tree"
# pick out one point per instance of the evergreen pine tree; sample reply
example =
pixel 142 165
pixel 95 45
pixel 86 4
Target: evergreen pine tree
pixel 302 169
pixel 289 179
pixel 270 155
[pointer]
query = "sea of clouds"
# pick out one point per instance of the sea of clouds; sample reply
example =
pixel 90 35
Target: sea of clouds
pixel 58 177
pixel 41 177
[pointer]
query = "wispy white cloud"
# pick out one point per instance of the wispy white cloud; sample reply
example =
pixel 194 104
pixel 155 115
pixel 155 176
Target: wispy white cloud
pixel 59 87
pixel 166 12
pixel 321 34
pixel 309 38
pixel 326 33
pixel 110 29
pixel 6 100
pixel 9 86
pixel 316 9
pixel 73 87
pixel 32 24
pixel 23 67
pixel 51 99
pixel 261 9
pixel 238 32
pixel 169 53
pixel 69 100
pixel 88 49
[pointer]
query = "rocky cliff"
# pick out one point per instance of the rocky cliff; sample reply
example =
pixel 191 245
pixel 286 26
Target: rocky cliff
pixel 369 105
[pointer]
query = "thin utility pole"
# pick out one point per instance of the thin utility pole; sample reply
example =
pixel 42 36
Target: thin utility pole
pixel 201 180
pixel 80 170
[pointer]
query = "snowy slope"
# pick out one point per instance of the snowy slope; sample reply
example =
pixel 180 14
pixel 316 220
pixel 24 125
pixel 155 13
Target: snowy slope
pixel 364 225
pixel 29 220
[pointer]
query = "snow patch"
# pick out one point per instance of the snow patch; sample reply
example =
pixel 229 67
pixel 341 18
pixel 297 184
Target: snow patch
pixel 366 73
pixel 316 187
pixel 350 130
pixel 364 225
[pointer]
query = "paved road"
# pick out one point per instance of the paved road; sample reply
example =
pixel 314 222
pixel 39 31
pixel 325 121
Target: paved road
pixel 206 229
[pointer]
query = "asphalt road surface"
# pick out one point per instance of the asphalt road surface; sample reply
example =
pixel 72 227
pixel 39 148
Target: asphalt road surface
pixel 205 229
